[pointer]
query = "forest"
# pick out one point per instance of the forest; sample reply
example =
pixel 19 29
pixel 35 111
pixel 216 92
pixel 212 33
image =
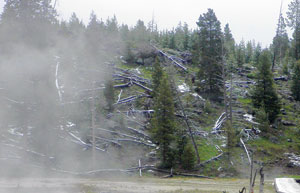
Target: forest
pixel 103 98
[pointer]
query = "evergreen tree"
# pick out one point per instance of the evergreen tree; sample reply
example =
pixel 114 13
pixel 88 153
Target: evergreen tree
pixel 296 82
pixel 172 43
pixel 188 160
pixel 249 52
pixel 109 95
pixel 262 119
pixel 264 93
pixel 256 54
pixel 112 26
pixel 293 21
pixel 228 41
pixel 163 123
pixel 231 136
pixel 195 48
pixel 128 53
pixel 280 42
pixel 75 26
pixel 31 21
pixel 241 53
pixel 210 47
pixel 156 77
pixel 186 37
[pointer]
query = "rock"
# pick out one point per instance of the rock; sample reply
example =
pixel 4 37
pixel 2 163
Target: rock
pixel 294 160
pixel 274 139
pixel 222 175
pixel 288 123
pixel 290 98
pixel 283 111
pixel 282 78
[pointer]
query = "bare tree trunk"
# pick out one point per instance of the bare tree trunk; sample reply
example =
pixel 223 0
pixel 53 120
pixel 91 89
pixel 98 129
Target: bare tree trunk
pixel 230 99
pixel 224 89
pixel 93 130
pixel 251 174
pixel 186 120
pixel 262 180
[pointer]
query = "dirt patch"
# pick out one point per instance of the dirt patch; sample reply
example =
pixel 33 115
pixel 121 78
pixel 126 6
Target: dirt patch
pixel 130 185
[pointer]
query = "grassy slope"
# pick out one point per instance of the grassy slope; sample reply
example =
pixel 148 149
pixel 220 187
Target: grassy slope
pixel 265 151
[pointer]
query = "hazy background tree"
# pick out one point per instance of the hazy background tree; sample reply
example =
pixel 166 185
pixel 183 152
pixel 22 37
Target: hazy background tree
pixel 293 21
pixel 280 42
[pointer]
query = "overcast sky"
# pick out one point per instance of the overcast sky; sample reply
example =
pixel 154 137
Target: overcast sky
pixel 248 19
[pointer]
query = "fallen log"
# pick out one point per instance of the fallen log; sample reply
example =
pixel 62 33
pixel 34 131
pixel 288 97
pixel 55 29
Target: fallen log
pixel 83 143
pixel 139 132
pixel 142 86
pixel 212 159
pixel 137 142
pixel 123 85
pixel 219 122
pixel 119 96
pixel 170 58
pixel 175 173
pixel 282 78
pixel 126 100
pixel 107 140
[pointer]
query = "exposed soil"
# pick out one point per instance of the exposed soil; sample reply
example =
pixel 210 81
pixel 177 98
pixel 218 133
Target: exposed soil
pixel 130 185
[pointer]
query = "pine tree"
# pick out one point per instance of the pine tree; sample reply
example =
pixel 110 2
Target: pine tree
pixel 264 93
pixel 32 22
pixel 256 54
pixel 296 82
pixel 109 95
pixel 195 48
pixel 241 53
pixel 172 43
pixel 156 77
pixel 293 21
pixel 186 38
pixel 210 47
pixel 249 52
pixel 228 41
pixel 163 123
pixel 262 119
pixel 280 42
pixel 188 160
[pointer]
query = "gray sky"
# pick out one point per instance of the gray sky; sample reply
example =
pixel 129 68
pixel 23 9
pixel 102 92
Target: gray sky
pixel 248 19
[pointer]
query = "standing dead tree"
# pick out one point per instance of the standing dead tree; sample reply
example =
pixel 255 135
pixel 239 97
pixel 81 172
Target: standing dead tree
pixel 262 180
pixel 186 120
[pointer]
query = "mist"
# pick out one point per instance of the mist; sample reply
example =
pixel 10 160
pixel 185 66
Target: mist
pixel 52 80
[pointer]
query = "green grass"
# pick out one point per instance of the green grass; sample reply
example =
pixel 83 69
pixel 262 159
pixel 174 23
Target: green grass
pixel 290 176
pixel 245 101
pixel 190 191
pixel 267 151
pixel 206 151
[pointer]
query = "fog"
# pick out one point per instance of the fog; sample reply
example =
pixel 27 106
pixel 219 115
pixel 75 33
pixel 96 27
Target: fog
pixel 52 77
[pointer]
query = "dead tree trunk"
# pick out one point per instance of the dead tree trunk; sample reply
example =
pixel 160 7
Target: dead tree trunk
pixel 251 174
pixel 230 99
pixel 93 130
pixel 262 180
pixel 224 83
pixel 252 178
pixel 186 121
